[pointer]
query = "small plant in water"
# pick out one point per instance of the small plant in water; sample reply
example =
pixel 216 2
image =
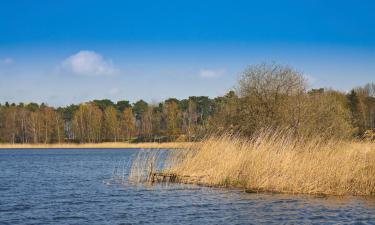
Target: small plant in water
pixel 146 163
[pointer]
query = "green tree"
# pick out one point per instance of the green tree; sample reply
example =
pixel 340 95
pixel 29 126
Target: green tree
pixel 32 107
pixel 104 103
pixel 122 105
pixel 139 108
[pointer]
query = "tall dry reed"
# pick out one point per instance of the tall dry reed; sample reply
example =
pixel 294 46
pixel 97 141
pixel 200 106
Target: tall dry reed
pixel 276 161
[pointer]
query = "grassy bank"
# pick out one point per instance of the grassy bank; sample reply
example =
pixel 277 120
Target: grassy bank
pixel 99 145
pixel 277 162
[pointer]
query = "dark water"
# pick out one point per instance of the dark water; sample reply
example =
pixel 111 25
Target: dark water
pixel 71 187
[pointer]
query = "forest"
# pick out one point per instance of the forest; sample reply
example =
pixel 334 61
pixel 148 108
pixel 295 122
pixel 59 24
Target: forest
pixel 267 96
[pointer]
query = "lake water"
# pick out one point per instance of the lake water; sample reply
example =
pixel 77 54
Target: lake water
pixel 72 186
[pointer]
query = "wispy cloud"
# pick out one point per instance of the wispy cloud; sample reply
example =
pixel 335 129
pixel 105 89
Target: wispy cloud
pixel 7 61
pixel 211 73
pixel 88 63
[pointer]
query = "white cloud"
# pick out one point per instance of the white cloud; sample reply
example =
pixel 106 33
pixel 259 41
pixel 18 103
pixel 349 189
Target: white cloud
pixel 87 63
pixel 209 73
pixel 7 61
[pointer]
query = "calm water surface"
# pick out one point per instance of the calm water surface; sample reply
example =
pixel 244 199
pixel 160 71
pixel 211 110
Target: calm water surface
pixel 70 186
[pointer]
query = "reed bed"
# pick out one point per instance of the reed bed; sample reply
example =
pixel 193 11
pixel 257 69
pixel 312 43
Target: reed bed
pixel 144 163
pixel 278 162
pixel 147 162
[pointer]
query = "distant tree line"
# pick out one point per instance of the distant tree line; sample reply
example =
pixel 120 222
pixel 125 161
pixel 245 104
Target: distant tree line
pixel 104 121
pixel 267 96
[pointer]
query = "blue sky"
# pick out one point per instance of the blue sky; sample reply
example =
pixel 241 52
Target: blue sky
pixel 63 52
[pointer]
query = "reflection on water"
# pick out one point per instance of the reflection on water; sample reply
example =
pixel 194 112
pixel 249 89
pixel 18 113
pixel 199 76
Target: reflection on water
pixel 75 187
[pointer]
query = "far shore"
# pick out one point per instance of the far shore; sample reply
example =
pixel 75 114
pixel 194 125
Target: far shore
pixel 118 145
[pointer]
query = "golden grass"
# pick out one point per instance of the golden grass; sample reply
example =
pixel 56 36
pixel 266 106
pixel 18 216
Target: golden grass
pixel 145 163
pixel 277 162
pixel 155 145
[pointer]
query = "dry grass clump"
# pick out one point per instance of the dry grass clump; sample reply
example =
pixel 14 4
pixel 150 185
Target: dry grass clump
pixel 277 162
pixel 149 161
pixel 144 163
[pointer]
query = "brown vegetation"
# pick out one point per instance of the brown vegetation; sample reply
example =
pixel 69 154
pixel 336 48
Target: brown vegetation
pixel 271 95
pixel 278 162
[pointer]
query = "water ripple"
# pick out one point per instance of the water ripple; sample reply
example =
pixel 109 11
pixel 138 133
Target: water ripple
pixel 73 187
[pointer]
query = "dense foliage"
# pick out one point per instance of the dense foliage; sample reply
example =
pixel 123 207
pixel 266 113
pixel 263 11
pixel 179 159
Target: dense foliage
pixel 267 96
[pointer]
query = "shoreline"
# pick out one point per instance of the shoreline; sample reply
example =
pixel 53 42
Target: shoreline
pixel 108 145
